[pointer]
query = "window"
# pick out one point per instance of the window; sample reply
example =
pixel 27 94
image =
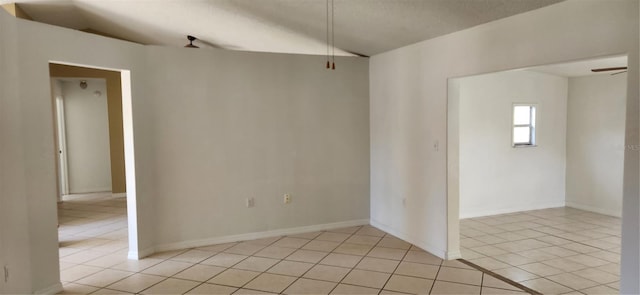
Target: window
pixel 524 125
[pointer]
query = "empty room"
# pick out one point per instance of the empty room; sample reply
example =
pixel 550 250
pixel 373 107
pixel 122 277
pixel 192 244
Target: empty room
pixel 319 147
pixel 541 165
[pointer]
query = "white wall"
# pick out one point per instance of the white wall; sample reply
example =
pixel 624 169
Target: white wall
pixel 14 237
pixel 210 128
pixel 246 125
pixel 408 115
pixel 595 143
pixel 496 178
pixel 28 159
pixel 408 90
pixel 87 135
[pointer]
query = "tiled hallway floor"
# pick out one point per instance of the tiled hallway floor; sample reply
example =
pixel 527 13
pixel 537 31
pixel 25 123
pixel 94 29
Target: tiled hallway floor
pixel 355 260
pixel 553 251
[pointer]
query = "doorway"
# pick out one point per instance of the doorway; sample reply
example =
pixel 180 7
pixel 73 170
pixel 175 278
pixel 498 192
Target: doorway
pixel 97 212
pixel 540 191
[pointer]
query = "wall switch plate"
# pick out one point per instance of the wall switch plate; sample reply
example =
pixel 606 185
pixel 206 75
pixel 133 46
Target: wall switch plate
pixel 250 202
pixel 287 198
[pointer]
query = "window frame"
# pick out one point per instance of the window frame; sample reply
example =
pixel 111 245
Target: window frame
pixel 533 119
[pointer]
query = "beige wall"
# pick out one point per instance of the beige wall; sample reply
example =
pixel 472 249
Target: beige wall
pixel 231 125
pixel 189 113
pixel 114 105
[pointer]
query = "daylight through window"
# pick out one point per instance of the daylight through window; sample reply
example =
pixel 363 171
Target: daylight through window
pixel 524 125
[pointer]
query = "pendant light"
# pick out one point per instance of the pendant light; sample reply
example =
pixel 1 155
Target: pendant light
pixel 333 40
pixel 331 64
pixel 328 64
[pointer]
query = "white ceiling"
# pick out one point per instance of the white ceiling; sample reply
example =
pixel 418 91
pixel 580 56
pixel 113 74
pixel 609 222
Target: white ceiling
pixel 583 67
pixel 364 27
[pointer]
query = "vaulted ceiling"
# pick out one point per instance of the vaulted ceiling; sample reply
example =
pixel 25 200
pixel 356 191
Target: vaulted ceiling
pixel 364 27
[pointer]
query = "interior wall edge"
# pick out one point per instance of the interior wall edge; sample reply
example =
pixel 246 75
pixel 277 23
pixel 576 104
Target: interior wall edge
pixel 424 245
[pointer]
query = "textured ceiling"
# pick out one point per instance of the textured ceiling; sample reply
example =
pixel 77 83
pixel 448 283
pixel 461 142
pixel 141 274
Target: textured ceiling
pixel 365 27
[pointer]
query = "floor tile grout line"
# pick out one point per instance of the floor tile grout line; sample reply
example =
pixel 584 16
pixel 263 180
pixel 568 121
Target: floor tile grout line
pixel 297 249
pixel 395 269
pixel 573 289
pixel 165 277
pixel 227 267
pixel 314 264
pixel 301 248
pixel 500 277
pixel 435 279
pixel 318 263
pixel 328 253
pixel 362 257
pixel 214 253
pixel 579 231
pixel 603 228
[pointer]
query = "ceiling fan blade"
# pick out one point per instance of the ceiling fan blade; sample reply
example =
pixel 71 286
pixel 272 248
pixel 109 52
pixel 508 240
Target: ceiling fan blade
pixel 608 69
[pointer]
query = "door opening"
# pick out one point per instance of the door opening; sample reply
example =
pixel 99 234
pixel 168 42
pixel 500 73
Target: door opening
pixel 552 194
pixel 96 182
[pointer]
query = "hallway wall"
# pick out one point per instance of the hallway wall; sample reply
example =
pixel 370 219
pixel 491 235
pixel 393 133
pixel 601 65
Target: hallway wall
pixel 87 133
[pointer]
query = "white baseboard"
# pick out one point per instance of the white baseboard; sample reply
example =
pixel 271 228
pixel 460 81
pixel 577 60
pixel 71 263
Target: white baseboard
pixel 418 242
pixel 90 191
pixel 256 235
pixel 137 255
pixel 119 195
pixel 53 289
pixel 605 211
pixel 519 208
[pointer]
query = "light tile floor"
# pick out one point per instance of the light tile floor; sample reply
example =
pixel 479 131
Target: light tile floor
pixel 553 251
pixel 355 260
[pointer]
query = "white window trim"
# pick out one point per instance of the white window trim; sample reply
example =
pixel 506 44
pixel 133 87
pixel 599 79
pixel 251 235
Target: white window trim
pixel 534 130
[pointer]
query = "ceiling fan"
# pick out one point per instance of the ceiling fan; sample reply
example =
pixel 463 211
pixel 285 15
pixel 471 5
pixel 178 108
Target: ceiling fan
pixel 621 69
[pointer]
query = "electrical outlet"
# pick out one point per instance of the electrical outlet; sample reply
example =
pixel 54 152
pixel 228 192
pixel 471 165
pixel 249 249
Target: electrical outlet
pixel 250 202
pixel 287 198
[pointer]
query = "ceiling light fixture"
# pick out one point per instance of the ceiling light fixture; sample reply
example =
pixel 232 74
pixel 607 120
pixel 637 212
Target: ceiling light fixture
pixel 191 39
pixel 623 69
pixel 331 64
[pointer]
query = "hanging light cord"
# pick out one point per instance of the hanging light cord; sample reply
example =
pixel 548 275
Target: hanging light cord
pixel 333 40
pixel 327 34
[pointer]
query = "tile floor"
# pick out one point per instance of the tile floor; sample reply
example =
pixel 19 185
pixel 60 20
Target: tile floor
pixel 355 260
pixel 553 251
